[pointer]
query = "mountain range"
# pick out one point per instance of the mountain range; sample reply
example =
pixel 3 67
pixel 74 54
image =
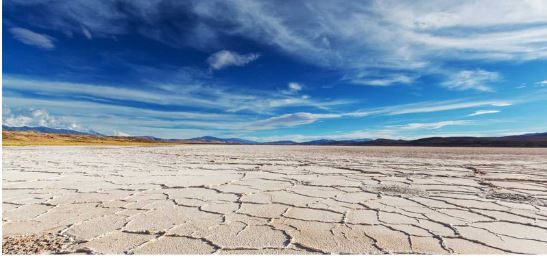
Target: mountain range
pixel 211 139
pixel 524 140
pixel 43 129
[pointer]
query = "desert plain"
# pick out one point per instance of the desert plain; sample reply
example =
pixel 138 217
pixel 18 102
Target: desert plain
pixel 236 199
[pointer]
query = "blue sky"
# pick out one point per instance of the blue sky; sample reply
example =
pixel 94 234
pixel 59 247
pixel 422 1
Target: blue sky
pixel 271 70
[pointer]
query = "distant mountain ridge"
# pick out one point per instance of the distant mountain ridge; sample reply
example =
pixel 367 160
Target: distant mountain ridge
pixel 335 142
pixel 280 143
pixel 43 129
pixel 211 139
pixel 524 140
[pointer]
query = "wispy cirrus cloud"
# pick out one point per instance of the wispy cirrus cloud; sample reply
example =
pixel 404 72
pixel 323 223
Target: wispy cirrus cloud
pixel 172 95
pixel 429 107
pixel 289 120
pixel 433 125
pixel 318 46
pixel 107 118
pixel 302 118
pixel 32 38
pixel 472 80
pixel 483 112
pixel 417 37
pixel 384 80
pixel 136 120
pixel 135 110
pixel 87 33
pixel 224 59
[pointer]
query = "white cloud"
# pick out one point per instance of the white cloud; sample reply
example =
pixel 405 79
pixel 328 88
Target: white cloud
pixel 542 83
pixel 433 125
pixel 333 33
pixel 471 29
pixel 471 80
pixel 501 104
pixel 427 107
pixel 414 37
pixel 120 133
pixel 483 112
pixel 384 81
pixel 86 33
pixel 407 35
pixel 190 95
pixel 289 120
pixel 32 38
pixel 224 58
pixel 302 118
pixel 38 117
pixel 180 124
pixel 295 87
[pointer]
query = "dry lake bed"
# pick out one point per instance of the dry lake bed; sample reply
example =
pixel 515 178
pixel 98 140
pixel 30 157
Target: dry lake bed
pixel 201 199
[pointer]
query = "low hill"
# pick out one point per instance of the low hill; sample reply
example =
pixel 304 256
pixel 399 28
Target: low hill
pixel 26 138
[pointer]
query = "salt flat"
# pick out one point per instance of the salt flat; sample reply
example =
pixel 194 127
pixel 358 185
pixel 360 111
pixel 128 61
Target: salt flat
pixel 200 199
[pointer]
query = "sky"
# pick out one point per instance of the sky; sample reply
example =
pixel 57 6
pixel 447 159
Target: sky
pixel 277 70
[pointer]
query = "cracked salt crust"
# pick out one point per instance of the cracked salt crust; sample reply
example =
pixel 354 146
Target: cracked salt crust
pixel 200 199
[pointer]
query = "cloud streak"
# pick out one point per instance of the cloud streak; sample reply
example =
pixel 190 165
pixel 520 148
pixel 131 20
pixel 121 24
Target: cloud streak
pixel 32 38
pixel 483 112
pixel 385 80
pixel 303 118
pixel 184 95
pixel 472 80
pixel 289 120
pixel 224 59
pixel 428 107
pixel 433 125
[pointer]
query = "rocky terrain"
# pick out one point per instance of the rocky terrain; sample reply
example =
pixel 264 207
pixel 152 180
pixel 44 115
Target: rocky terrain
pixel 234 199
